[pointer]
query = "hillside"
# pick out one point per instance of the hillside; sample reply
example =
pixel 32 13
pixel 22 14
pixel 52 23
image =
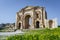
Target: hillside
pixel 7 27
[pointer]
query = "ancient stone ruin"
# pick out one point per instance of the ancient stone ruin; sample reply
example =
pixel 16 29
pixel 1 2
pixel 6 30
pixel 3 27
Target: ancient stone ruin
pixel 32 17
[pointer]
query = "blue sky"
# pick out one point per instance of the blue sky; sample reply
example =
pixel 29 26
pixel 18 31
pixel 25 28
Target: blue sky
pixel 8 8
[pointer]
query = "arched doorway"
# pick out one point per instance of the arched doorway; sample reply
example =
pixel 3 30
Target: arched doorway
pixel 19 26
pixel 37 24
pixel 27 21
pixel 50 23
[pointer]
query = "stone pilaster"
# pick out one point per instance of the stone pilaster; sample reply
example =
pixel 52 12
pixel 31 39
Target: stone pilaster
pixel 16 23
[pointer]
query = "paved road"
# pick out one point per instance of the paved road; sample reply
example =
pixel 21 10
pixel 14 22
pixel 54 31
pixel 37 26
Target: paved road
pixel 3 35
pixel 10 33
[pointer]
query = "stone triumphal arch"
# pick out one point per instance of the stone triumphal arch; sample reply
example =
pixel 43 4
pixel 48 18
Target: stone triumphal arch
pixel 32 17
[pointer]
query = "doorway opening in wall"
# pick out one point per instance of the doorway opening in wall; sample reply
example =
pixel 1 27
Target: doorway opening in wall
pixel 37 24
pixel 50 23
pixel 19 26
pixel 27 21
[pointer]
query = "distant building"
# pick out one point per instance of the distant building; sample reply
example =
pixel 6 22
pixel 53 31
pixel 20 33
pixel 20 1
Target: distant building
pixel 32 17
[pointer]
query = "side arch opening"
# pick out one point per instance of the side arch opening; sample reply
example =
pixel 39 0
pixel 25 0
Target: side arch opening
pixel 37 24
pixel 19 25
pixel 50 23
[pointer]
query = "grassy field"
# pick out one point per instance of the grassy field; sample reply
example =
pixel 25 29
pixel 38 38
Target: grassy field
pixel 45 34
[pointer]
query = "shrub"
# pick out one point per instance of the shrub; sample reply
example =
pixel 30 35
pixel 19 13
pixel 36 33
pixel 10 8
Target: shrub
pixel 46 34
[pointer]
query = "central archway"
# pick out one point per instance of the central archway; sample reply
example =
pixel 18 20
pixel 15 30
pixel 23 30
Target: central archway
pixel 27 21
pixel 37 24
